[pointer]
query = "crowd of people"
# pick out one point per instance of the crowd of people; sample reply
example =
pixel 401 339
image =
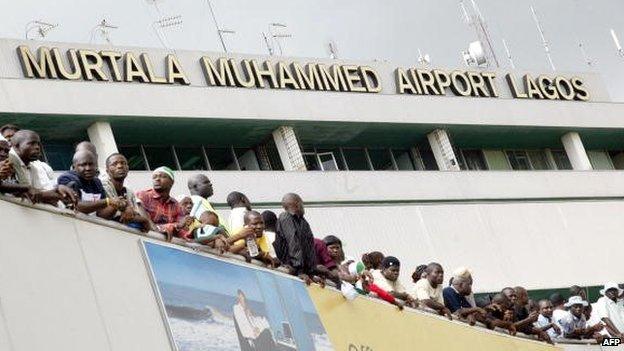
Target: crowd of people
pixel 287 240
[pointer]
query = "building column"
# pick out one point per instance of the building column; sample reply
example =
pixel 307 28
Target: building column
pixel 101 135
pixel 443 150
pixel 288 149
pixel 576 151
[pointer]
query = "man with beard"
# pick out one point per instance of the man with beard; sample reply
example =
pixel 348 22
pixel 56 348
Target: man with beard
pixel 133 215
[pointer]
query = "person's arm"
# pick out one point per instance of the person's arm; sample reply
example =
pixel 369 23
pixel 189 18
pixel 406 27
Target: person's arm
pixel 293 246
pixel 532 318
pixel 464 312
pixel 423 296
pixel 611 328
pixel 15 189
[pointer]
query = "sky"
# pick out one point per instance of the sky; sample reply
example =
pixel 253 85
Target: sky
pixel 390 30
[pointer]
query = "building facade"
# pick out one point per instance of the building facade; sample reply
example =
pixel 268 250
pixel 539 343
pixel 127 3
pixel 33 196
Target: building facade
pixel 502 172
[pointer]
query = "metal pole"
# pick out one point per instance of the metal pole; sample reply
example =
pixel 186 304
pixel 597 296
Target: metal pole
pixel 219 32
pixel 511 62
pixel 544 42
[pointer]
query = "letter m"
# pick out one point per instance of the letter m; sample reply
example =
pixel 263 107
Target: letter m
pixel 33 68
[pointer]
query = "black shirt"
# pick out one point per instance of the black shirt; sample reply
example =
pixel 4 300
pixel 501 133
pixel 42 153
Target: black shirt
pixel 453 300
pixel 294 243
pixel 88 190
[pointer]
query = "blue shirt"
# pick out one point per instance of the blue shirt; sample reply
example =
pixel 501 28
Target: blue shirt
pixel 88 190
pixel 454 300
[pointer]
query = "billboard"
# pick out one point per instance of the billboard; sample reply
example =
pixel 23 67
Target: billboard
pixel 216 305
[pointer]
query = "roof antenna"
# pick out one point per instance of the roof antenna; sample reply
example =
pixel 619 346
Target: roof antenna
pixel 38 29
pixel 423 59
pixel 616 41
pixel 477 21
pixel 333 50
pixel 544 41
pixel 220 31
pixel 103 29
pixel 511 61
pixel 275 37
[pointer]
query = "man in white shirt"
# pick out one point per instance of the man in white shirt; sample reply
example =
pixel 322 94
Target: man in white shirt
pixel 611 310
pixel 429 290
pixel 31 172
pixel 387 278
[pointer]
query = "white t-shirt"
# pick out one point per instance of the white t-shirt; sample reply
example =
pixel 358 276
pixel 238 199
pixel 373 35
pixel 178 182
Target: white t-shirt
pixel 236 221
pixel 386 284
pixel 422 290
pixel 606 308
pixel 37 174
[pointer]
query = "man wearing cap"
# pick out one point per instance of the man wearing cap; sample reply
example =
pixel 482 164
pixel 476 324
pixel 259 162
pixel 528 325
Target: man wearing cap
pixel 387 278
pixel 164 211
pixel 573 324
pixel 611 310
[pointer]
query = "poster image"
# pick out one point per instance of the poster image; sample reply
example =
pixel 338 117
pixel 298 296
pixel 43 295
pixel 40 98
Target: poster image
pixel 215 305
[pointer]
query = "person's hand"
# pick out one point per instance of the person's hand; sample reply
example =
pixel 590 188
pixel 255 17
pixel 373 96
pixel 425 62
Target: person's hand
pixel 221 244
pixel 127 215
pixel 185 223
pixel 247 232
pixel 6 169
pixel 306 279
pixel 556 328
pixel 367 276
pixel 320 281
pixel 543 336
pixel 67 195
pixel 411 302
pixel 400 305
pixel 472 320
pixel 596 328
pixel 578 331
pixel 533 316
pixel 446 312
pixel 508 316
pixel 512 329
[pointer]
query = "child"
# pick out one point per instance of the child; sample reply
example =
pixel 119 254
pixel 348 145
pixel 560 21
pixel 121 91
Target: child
pixel 209 232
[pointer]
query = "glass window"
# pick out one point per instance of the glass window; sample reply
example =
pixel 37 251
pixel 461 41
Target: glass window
pixel 247 159
pixel 136 162
pixel 220 158
pixel 428 159
pixel 356 159
pixel 191 158
pixel 311 161
pixel 617 157
pixel 600 160
pixel 158 156
pixel 473 160
pixel 337 157
pixel 518 159
pixel 274 157
pixel 403 160
pixel 381 159
pixel 538 160
pixel 328 161
pixel 59 156
pixel 561 159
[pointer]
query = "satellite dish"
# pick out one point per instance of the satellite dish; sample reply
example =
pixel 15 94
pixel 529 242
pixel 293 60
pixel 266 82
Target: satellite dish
pixel 475 56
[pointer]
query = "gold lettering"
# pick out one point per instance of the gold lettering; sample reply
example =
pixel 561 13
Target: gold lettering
pixel 565 88
pixel 490 79
pixel 111 58
pixel 443 80
pixel 354 82
pixel 222 77
pixel 582 94
pixel 415 81
pixel 333 80
pixel 309 80
pixel 545 84
pixel 64 73
pixel 403 83
pixel 531 88
pixel 511 80
pixel 175 73
pixel 242 79
pixel 133 69
pixel 461 85
pixel 262 73
pixel 366 73
pixel 478 84
pixel 285 78
pixel 33 69
pixel 428 82
pixel 149 70
pixel 91 64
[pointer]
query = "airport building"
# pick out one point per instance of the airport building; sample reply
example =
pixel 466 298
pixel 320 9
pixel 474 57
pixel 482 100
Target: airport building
pixel 513 174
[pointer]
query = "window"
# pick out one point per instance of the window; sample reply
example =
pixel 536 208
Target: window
pixel 221 158
pixel 600 160
pixel 381 159
pixel 356 159
pixel 59 156
pixel 191 158
pixel 320 160
pixel 538 160
pixel 519 160
pixel 617 157
pixel 561 159
pixel 327 161
pixel 158 156
pixel 274 157
pixel 404 160
pixel 472 160
pixel 428 159
pixel 136 161
pixel 247 159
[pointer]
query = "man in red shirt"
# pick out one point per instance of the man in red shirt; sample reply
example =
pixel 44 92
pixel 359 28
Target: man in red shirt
pixel 163 210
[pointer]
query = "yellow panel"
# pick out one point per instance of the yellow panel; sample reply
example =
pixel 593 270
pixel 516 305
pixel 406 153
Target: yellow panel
pixel 366 325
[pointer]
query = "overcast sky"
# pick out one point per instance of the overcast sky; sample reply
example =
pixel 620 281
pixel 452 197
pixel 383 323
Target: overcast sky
pixel 390 30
